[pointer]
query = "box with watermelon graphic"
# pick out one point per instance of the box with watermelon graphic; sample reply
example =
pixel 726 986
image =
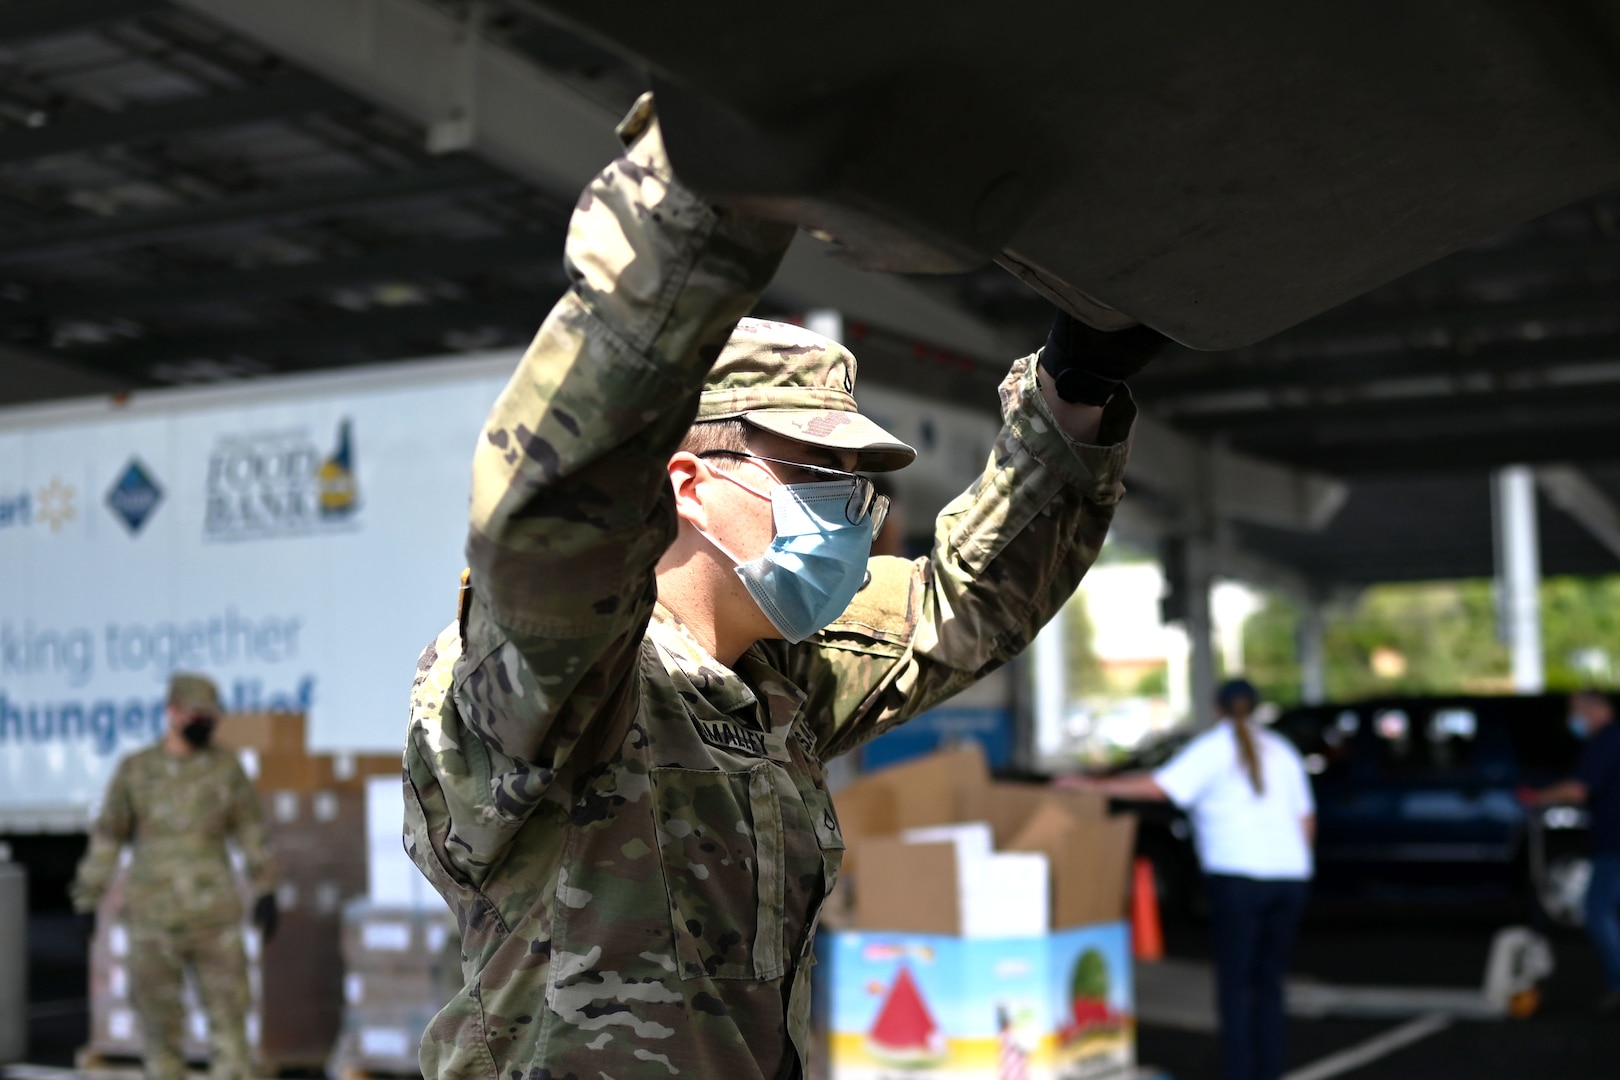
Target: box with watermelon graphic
pixel 924 1006
pixel 980 930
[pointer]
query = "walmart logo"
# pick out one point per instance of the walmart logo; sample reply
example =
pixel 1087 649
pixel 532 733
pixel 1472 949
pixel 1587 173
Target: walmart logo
pixel 134 497
pixel 53 506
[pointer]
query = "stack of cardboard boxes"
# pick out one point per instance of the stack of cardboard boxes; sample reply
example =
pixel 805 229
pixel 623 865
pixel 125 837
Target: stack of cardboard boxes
pixel 314 811
pixel 979 929
pixel 401 965
pixel 401 950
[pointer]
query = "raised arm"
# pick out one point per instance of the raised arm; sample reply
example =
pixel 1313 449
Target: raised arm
pixel 1007 554
pixel 571 501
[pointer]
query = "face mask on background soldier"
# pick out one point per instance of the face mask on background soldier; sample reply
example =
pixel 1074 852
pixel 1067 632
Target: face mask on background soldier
pixel 198 731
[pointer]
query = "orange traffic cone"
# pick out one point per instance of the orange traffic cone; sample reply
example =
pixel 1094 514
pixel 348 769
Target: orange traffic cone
pixel 1147 933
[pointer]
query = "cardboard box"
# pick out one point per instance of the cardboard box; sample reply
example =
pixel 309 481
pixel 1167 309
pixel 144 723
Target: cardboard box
pixel 279 733
pixel 430 986
pixel 896 885
pixel 383 939
pixel 931 1007
pixel 938 975
pixel 349 772
pixel 281 770
pixel 382 1039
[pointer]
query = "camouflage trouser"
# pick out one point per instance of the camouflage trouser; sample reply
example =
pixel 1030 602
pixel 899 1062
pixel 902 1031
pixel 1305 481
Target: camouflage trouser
pixel 158 960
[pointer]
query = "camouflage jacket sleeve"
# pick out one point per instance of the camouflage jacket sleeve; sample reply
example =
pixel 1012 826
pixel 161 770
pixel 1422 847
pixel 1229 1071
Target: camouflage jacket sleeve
pixel 248 833
pixel 571 503
pixel 114 827
pixel 1008 552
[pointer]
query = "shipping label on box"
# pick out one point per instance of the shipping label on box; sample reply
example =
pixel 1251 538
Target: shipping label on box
pixel 1052 1007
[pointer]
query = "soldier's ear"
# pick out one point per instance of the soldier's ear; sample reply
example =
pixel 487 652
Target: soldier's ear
pixel 687 474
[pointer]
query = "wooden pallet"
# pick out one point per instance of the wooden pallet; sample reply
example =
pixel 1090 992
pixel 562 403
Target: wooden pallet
pixel 368 1072
pixel 93 1064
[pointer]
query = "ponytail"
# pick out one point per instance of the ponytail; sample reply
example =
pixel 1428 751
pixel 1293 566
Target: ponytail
pixel 1250 754
pixel 1237 698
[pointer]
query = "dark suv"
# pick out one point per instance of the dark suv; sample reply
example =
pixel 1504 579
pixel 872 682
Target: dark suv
pixel 1416 802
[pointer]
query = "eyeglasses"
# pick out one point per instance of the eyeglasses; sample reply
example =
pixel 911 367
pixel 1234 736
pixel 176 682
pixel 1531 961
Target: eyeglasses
pixel 864 501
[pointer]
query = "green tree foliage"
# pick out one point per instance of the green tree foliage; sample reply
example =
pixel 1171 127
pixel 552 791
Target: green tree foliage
pixel 1156 683
pixel 1436 637
pixel 1271 649
pixel 1090 979
pixel 1085 670
pixel 1580 621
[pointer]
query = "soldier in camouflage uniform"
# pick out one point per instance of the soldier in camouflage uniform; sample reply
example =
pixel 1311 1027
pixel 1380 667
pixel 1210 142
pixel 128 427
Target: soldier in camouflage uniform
pixel 614 765
pixel 176 804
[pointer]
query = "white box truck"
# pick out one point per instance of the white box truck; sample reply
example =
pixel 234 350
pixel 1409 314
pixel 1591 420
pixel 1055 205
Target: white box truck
pixel 299 539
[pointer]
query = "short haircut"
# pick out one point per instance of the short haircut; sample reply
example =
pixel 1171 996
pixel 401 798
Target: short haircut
pixel 708 435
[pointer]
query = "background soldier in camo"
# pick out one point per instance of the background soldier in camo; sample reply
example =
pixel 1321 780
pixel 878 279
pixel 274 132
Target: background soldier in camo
pixel 614 767
pixel 176 805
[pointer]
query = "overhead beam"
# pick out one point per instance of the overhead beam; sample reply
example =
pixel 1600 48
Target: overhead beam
pixel 81 132
pixel 479 95
pixel 1567 488
pixel 1572 405
pixel 1398 456
pixel 1358 320
pixel 1255 370
pixel 302 344
pixel 46 18
pixel 441 258
pixel 371 193
pixel 1144 527
pixel 1213 483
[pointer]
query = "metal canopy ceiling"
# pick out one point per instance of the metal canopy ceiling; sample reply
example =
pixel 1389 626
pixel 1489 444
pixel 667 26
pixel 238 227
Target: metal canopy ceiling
pixel 180 204
pixel 1426 527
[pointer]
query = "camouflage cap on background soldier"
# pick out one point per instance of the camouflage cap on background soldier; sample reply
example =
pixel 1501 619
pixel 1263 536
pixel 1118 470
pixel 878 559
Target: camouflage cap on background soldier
pixel 795 383
pixel 193 693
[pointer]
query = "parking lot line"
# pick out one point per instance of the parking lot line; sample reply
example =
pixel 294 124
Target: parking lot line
pixel 1378 1046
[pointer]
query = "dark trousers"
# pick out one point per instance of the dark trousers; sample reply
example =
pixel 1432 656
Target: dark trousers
pixel 1254 923
pixel 1603 914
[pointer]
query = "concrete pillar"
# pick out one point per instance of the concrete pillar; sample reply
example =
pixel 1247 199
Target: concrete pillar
pixel 1188 581
pixel 1312 658
pixel 1200 636
pixel 1518 574
pixel 1051 678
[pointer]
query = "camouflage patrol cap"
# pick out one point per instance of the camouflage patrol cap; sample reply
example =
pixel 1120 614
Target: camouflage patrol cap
pixel 190 692
pixel 797 384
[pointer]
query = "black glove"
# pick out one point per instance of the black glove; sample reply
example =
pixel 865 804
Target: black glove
pixel 1087 365
pixel 266 916
pixel 85 923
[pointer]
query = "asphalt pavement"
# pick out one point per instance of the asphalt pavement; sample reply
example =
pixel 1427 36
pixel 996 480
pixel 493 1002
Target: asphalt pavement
pixel 1565 1039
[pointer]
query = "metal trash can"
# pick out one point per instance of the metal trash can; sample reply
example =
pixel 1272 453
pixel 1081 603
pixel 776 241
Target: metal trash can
pixel 13 959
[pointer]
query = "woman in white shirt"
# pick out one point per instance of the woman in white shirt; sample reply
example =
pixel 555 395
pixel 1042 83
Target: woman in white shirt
pixel 1254 821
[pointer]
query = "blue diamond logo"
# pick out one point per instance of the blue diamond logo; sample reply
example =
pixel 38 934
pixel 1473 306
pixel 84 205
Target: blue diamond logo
pixel 135 496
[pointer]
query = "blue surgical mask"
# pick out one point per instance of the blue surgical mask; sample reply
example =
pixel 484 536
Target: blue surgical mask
pixel 1578 726
pixel 814 566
